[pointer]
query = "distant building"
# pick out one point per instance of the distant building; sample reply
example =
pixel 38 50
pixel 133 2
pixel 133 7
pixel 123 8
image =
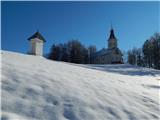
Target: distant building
pixel 36 42
pixel 110 55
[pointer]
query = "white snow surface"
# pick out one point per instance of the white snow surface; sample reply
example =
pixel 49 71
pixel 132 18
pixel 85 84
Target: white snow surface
pixel 35 88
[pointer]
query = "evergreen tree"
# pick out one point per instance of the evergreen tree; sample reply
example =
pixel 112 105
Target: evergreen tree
pixel 72 51
pixel 148 55
pixel 55 52
pixel 139 57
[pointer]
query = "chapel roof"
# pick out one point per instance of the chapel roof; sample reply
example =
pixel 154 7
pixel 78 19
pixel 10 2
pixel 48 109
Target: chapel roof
pixel 37 35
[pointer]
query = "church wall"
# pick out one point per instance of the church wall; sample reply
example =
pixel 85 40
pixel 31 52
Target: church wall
pixel 116 58
pixel 105 59
pixel 36 47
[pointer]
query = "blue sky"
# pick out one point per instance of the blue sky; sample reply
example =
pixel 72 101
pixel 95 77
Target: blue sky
pixel 89 22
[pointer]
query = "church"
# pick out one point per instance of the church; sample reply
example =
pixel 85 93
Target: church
pixel 110 55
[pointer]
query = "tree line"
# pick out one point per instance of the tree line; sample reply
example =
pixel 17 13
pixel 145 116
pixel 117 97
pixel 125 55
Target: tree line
pixel 148 55
pixel 73 51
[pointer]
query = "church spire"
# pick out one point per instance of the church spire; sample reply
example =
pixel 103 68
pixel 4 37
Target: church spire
pixel 112 36
pixel 112 41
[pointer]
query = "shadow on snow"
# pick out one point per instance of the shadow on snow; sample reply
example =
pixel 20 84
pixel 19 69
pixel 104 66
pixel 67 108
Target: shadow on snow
pixel 125 69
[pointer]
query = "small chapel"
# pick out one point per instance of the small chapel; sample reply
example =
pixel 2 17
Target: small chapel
pixel 110 55
pixel 36 44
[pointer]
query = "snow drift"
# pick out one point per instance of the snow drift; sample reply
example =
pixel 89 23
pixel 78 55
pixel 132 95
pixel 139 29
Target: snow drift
pixel 34 88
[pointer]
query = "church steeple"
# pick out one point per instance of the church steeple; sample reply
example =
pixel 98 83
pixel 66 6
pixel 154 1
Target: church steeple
pixel 112 41
pixel 112 36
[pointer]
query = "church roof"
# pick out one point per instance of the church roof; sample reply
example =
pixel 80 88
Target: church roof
pixel 101 52
pixel 112 36
pixel 106 52
pixel 37 35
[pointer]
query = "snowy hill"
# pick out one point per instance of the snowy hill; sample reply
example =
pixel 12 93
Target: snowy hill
pixel 34 88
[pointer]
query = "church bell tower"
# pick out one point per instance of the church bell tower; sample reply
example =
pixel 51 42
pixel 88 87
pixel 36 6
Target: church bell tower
pixel 112 41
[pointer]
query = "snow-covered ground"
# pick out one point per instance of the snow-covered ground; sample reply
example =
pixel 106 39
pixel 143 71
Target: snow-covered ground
pixel 34 88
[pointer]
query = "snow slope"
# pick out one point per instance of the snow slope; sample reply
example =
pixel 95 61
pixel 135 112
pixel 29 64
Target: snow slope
pixel 34 88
